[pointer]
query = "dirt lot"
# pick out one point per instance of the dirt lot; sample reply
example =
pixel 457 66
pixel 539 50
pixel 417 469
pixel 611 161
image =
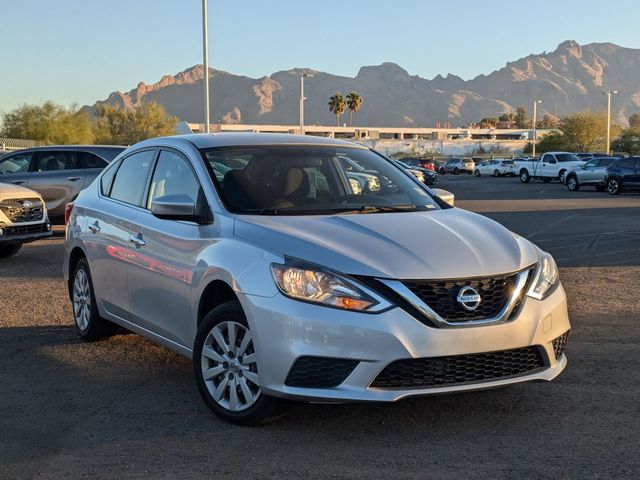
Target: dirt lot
pixel 125 408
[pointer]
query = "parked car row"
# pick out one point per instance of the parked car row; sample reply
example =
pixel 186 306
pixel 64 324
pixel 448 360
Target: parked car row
pixel 606 173
pixel 495 168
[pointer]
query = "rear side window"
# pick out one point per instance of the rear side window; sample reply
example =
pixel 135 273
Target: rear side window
pixel 605 162
pixel 55 160
pixel 131 178
pixel 15 163
pixel 173 175
pixel 626 163
pixel 91 160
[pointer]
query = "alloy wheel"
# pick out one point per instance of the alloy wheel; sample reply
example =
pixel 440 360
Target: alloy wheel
pixel 229 367
pixel 572 183
pixel 81 300
pixel 613 186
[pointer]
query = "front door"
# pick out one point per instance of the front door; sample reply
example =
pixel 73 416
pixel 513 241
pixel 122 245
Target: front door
pixel 161 278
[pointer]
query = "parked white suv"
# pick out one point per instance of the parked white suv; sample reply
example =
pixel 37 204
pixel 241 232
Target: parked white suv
pixel 23 218
pixel 551 166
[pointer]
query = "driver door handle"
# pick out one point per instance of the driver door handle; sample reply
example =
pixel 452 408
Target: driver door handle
pixel 74 179
pixel 137 240
pixel 19 182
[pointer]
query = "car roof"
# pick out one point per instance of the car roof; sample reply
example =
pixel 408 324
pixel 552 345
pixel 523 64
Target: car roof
pixel 73 147
pixel 234 139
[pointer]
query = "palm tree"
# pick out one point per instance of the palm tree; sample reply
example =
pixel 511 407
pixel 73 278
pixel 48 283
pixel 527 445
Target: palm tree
pixel 354 102
pixel 337 105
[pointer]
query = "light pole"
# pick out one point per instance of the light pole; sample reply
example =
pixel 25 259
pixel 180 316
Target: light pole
pixel 302 99
pixel 535 114
pixel 608 93
pixel 205 53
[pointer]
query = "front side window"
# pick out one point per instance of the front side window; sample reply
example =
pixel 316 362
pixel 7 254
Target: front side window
pixel 591 164
pixel 15 163
pixel 173 175
pixel 306 180
pixel 131 178
pixel 55 161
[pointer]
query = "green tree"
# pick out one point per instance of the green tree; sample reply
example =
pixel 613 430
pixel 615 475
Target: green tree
pixel 634 121
pixel 337 105
pixel 354 103
pixel 48 123
pixel 628 141
pixel 488 122
pixel 550 142
pixel 586 131
pixel 522 118
pixel 116 125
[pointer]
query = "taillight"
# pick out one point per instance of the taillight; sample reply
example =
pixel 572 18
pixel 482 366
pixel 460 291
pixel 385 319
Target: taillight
pixel 67 212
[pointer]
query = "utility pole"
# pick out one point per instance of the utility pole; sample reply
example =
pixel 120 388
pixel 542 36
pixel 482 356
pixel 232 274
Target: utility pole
pixel 205 52
pixel 302 99
pixel 608 93
pixel 535 114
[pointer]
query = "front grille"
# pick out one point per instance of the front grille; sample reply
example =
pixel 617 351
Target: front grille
pixel 319 372
pixel 460 369
pixel 16 211
pixel 26 230
pixel 441 296
pixel 560 343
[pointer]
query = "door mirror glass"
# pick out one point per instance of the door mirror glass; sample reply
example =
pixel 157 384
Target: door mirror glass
pixel 174 207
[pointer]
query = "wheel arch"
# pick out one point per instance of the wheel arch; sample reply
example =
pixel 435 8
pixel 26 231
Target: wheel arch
pixel 74 257
pixel 215 293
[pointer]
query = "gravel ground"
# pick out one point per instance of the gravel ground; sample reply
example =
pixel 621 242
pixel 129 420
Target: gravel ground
pixel 126 408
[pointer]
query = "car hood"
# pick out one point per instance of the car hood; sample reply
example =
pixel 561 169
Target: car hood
pixel 450 243
pixel 8 190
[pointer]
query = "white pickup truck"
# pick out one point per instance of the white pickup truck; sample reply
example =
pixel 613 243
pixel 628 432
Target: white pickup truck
pixel 551 166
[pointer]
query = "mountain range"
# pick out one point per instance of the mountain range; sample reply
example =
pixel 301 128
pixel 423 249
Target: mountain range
pixel 569 79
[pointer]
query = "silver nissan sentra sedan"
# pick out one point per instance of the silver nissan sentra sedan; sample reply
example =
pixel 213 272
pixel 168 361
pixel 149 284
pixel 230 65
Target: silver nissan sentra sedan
pixel 252 255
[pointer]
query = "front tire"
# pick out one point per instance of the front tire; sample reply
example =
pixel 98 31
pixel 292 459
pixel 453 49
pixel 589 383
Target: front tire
pixel 8 250
pixel 89 325
pixel 496 173
pixel 524 176
pixel 456 171
pixel 572 183
pixel 225 367
pixel 477 173
pixel 613 186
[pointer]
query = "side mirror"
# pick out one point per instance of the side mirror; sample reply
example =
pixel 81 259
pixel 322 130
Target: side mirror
pixel 445 195
pixel 175 207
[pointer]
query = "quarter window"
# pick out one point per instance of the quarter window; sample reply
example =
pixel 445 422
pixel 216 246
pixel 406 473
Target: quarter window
pixel 131 177
pixel 173 175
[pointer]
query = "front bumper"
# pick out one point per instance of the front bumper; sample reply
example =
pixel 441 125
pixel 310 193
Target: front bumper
pixel 286 330
pixel 24 233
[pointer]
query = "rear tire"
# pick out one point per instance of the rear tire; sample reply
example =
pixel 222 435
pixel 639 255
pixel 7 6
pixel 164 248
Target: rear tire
pixel 224 354
pixel 496 173
pixel 456 171
pixel 524 176
pixel 8 250
pixel 613 186
pixel 89 324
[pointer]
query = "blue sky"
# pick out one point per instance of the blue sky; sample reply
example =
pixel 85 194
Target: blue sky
pixel 78 51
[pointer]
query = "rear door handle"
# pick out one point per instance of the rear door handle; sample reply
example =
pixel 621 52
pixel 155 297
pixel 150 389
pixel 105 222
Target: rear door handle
pixel 19 182
pixel 94 227
pixel 74 179
pixel 137 240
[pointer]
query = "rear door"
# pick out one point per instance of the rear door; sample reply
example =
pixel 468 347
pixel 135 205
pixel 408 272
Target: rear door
pixel 14 168
pixel 58 176
pixel 160 281
pixel 109 229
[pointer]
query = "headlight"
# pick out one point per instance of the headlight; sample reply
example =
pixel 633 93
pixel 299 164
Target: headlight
pixel 546 278
pixel 310 284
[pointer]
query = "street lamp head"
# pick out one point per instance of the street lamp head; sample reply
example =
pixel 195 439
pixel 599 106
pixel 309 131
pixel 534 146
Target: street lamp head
pixel 538 101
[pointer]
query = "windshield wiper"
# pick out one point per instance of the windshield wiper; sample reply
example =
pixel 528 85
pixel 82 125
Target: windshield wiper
pixel 381 209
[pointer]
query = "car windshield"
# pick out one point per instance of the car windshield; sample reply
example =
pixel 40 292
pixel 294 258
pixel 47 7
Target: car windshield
pixel 308 180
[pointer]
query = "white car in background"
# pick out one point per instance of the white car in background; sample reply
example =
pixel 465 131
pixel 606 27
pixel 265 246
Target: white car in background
pixel 23 218
pixel 495 168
